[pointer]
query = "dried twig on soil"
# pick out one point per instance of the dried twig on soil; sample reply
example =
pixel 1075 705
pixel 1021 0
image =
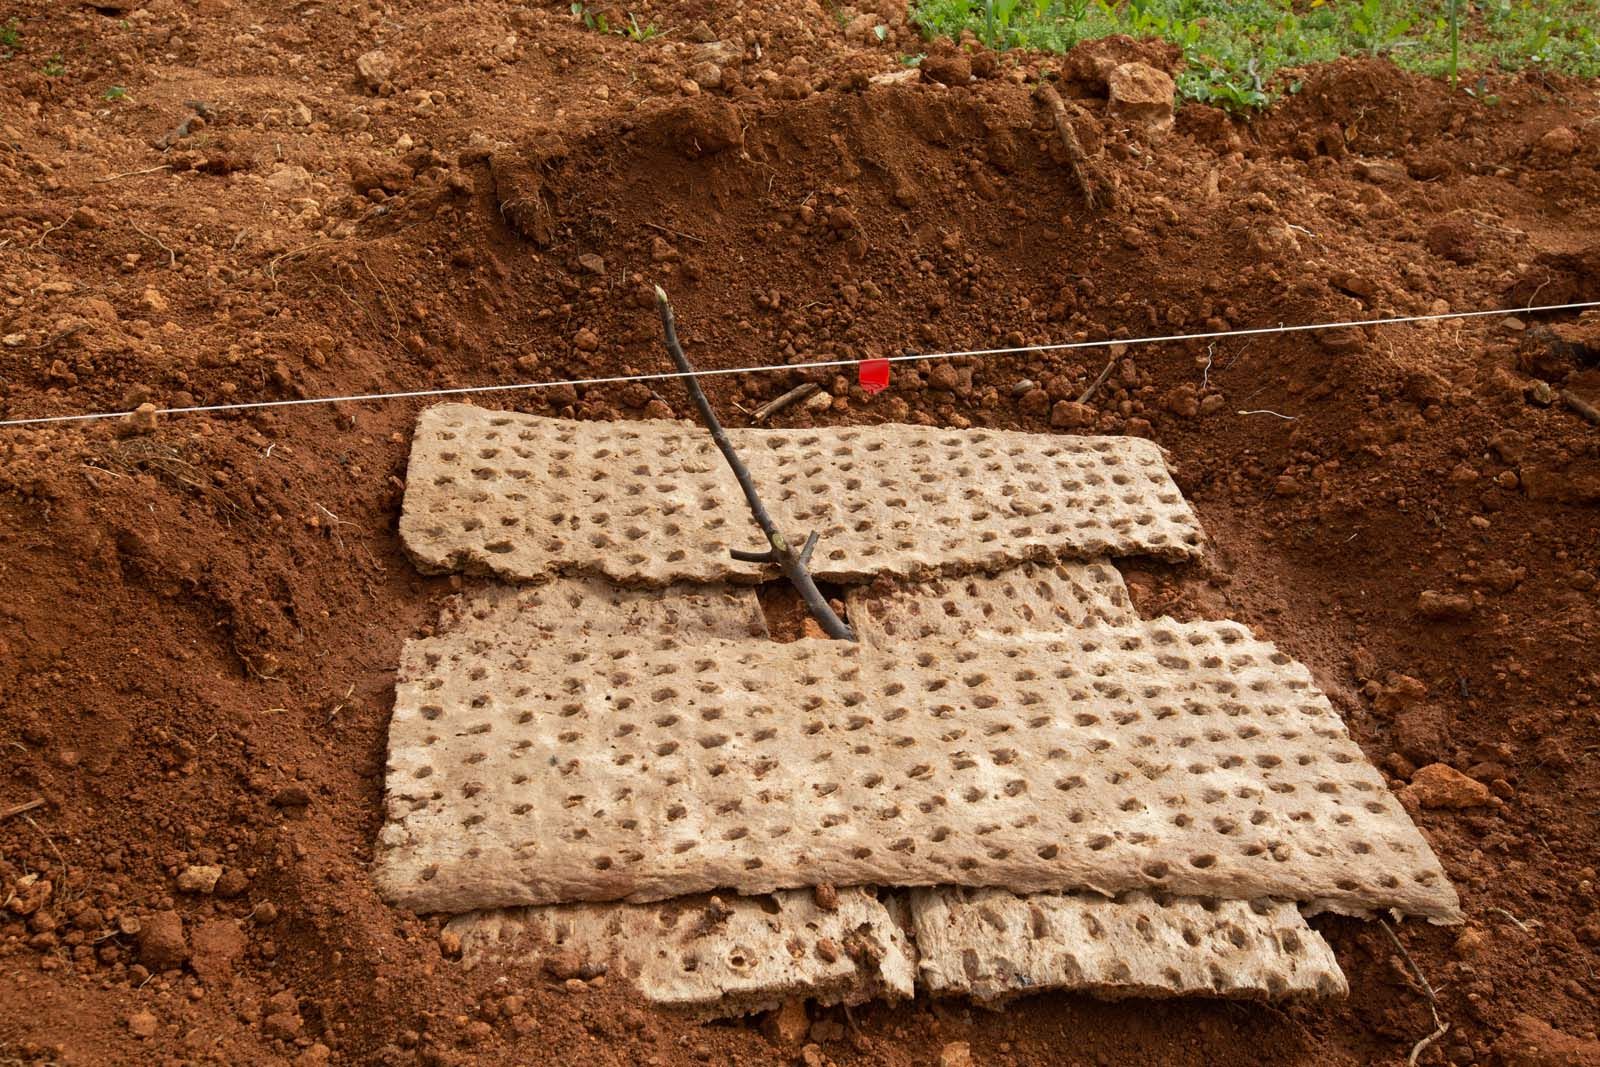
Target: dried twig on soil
pixel 18 809
pixel 128 174
pixel 1581 406
pixel 1077 161
pixel 172 257
pixel 787 400
pixel 781 552
pixel 676 233
pixel 1441 1027
pixel 1098 382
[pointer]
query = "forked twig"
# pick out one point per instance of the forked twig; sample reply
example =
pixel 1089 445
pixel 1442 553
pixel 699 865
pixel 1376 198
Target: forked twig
pixel 1098 382
pixel 18 809
pixel 1433 1001
pixel 781 552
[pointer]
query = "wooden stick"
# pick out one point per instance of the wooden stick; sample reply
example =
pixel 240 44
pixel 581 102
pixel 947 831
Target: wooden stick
pixel 787 400
pixel 782 553
pixel 1581 406
pixel 18 809
pixel 1077 161
pixel 1098 382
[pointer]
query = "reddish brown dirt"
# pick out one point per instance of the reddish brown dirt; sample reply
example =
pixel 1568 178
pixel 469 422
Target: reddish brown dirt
pixel 200 623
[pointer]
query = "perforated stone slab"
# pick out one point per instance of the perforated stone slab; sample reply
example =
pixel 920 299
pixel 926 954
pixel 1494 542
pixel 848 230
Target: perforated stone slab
pixel 654 502
pixel 1033 600
pixel 717 957
pixel 569 608
pixel 1186 757
pixel 992 945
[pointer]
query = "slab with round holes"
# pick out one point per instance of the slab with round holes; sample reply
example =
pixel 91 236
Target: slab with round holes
pixel 993 945
pixel 570 608
pixel 1030 600
pixel 654 502
pixel 713 957
pixel 1186 757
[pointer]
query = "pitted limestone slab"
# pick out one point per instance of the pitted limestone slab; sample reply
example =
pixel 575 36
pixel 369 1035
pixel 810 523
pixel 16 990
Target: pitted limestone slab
pixel 653 502
pixel 1190 758
pixel 1029 601
pixel 714 957
pixel 570 608
pixel 992 945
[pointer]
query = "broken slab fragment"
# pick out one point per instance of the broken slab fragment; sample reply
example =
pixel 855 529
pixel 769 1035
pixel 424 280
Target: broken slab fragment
pixel 993 945
pixel 652 502
pixel 713 956
pixel 568 608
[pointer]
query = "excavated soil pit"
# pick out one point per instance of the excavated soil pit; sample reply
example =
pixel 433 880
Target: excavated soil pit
pixel 202 623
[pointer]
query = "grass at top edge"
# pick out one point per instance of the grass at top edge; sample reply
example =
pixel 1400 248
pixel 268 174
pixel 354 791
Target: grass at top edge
pixel 1234 50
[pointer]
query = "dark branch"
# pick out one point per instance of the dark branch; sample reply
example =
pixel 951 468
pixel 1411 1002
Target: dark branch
pixel 781 553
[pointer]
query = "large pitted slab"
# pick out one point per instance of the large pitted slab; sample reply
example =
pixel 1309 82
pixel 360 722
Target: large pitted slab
pixel 1186 757
pixel 991 944
pixel 653 502
pixel 1033 601
pixel 714 957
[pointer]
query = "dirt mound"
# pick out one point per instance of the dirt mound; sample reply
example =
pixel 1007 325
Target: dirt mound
pixel 203 616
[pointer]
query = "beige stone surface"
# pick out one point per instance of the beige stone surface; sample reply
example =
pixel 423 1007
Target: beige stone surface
pixel 653 502
pixel 713 957
pixel 567 609
pixel 1190 758
pixel 993 945
pixel 1030 600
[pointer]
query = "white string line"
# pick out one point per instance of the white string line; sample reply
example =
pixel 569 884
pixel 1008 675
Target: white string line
pixel 916 357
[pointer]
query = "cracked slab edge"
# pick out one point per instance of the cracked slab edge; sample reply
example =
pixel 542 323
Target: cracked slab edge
pixel 993 945
pixel 713 957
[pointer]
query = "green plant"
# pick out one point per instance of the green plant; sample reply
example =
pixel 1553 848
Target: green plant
pixel 116 92
pixel 636 32
pixel 55 66
pixel 1455 41
pixel 594 20
pixel 10 37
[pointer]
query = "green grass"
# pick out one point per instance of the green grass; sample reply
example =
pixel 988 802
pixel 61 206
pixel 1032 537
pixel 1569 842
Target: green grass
pixel 1234 49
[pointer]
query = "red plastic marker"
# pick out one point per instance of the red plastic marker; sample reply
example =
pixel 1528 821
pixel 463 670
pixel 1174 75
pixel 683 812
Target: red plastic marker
pixel 874 375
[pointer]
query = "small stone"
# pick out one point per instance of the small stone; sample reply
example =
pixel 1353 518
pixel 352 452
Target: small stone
pixel 162 945
pixel 1070 413
pixel 1141 94
pixel 199 878
pixel 950 70
pixel 586 340
pixel 592 263
pixel 232 883
pixel 658 409
pixel 29 894
pixel 1469 943
pixel 1212 404
pixel 1444 607
pixel 825 896
pixel 1561 141
pixel 375 68
pixel 152 301
pixel 563 965
pixel 1183 401
pixel 284 1026
pixel 289 180
pixel 706 75
pixel 818 402
pixel 1540 393
pixel 1023 387
pixel 1421 731
pixel 956 1054
pixel 575 985
pixel 787 1027
pixel 450 943
pixel 1035 402
pixel 217 944
pixel 291 796
pixel 143 1024
pixel 827 950
pixel 1441 786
